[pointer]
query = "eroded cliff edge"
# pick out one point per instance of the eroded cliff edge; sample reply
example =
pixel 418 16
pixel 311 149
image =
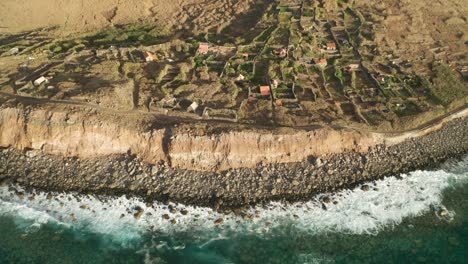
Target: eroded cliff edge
pixel 103 153
pixel 91 135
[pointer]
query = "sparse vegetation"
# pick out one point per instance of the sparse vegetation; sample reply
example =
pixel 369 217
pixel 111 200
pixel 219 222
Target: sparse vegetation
pixel 323 64
pixel 447 87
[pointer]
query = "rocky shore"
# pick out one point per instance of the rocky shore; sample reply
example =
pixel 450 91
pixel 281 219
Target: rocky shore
pixel 235 188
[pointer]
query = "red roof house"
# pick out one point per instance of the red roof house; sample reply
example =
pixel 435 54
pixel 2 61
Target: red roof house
pixel 265 90
pixel 203 48
pixel 321 62
pixel 148 56
pixel 331 46
pixel 282 53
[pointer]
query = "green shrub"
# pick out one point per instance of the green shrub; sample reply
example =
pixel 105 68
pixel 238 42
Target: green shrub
pixel 446 86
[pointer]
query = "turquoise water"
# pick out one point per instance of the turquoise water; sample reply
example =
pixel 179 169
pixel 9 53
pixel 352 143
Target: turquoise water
pixel 396 221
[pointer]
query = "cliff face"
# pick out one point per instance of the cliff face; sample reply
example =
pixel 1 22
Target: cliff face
pixel 69 134
pixel 90 136
pixel 247 149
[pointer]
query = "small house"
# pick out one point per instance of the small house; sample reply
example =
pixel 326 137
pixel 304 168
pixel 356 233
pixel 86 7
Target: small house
pixel 275 83
pixel 320 62
pixel 240 77
pixel 331 46
pixel 148 56
pixel 282 53
pixel 14 51
pixel 193 107
pixel 380 78
pixel 40 81
pixel 265 90
pixel 203 48
pixel 353 67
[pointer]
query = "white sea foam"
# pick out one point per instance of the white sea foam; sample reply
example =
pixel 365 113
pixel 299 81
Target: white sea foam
pixel 384 205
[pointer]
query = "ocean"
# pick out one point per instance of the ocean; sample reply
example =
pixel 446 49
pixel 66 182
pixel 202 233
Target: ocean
pixel 419 217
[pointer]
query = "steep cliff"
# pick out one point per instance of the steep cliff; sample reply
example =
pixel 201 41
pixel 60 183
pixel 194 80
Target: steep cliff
pixel 76 134
pixel 248 148
pixel 90 135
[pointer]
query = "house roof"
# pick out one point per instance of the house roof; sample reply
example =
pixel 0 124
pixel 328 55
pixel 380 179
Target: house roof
pixel 40 79
pixel 265 90
pixel 331 45
pixel 281 52
pixel 320 61
pixel 194 105
pixel 203 47
pixel 147 55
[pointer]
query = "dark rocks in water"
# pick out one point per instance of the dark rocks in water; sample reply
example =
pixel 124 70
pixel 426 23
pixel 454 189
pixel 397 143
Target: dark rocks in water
pixel 20 194
pixel 453 241
pixel 4 182
pixel 365 187
pixel 166 216
pixel 49 196
pixel 184 212
pixel 173 221
pixel 84 206
pixel 324 207
pixel 326 199
pixel 173 211
pixel 139 212
pixel 219 221
pixel 443 212
pixel 239 210
pixel 248 217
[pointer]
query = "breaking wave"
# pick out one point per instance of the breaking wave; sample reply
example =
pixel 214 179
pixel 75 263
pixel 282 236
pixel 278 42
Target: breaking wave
pixel 363 210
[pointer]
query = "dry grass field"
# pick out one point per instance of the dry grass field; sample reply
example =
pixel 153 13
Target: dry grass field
pixel 72 16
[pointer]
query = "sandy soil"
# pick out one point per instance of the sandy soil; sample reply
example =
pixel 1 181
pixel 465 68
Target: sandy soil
pixel 421 31
pixel 78 16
